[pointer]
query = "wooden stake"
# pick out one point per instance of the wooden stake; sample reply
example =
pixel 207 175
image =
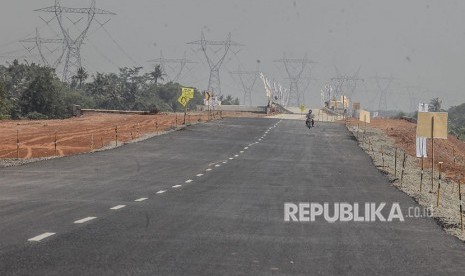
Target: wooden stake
pixel 395 163
pixel 460 200
pixel 92 142
pixel 422 172
pixel 382 155
pixel 403 169
pixel 17 144
pixel 432 153
pixel 156 126
pixel 116 135
pixel 439 184
pixel 56 152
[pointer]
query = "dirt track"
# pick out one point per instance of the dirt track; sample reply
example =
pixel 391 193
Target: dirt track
pixel 83 134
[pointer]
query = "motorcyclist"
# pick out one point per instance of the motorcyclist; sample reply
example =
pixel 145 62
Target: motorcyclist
pixel 309 118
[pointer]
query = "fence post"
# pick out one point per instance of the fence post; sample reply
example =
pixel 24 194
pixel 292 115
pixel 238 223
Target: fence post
pixel 56 152
pixel 460 200
pixel 422 171
pixel 17 144
pixel 382 155
pixel 439 184
pixel 403 169
pixel 116 135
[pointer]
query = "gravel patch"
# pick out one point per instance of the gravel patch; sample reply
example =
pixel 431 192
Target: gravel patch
pixel 382 151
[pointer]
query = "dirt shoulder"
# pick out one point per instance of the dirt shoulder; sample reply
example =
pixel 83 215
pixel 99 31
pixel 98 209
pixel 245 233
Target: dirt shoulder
pixel 383 139
pixel 83 134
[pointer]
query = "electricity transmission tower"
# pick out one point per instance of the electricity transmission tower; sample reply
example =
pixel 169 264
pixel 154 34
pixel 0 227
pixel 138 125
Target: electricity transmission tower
pixel 176 66
pixel 294 69
pixel 383 90
pixel 248 80
pixel 73 43
pixel 347 83
pixel 39 44
pixel 412 94
pixel 211 49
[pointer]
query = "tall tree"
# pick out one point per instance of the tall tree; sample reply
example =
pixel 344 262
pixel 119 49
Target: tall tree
pixel 81 76
pixel 435 105
pixel 157 74
pixel 5 105
pixel 42 95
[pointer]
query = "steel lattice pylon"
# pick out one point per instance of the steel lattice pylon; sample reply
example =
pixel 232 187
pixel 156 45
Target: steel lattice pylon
pixel 39 44
pixel 382 106
pixel 294 69
pixel 73 44
pixel 175 74
pixel 214 82
pixel 248 80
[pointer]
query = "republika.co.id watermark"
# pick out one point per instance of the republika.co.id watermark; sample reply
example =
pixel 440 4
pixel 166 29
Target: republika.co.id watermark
pixel 345 212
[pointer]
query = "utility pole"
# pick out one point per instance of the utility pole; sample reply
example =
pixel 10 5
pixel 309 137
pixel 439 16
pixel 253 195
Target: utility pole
pixel 175 72
pixel 73 43
pixel 210 48
pixel 294 69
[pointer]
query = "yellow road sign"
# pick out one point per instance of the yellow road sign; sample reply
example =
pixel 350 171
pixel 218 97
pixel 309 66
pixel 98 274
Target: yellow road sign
pixel 424 124
pixel 183 100
pixel 187 92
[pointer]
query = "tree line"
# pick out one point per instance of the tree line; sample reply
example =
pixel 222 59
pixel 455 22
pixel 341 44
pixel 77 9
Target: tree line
pixel 35 92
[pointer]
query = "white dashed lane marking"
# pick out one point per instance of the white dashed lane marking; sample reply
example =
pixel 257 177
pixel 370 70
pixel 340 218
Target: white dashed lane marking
pixel 200 174
pixel 236 155
pixel 189 181
pixel 241 151
pixel 246 148
pixel 230 158
pixel 141 199
pixel 84 220
pixel 176 186
pixel 224 162
pixel 208 170
pixel 41 237
pixel 217 165
pixel 161 192
pixel 117 207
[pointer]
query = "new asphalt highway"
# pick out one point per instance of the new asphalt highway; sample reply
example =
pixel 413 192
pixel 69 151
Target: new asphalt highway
pixel 209 200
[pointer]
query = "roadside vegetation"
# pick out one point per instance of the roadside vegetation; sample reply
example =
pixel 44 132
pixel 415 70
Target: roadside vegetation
pixel 35 92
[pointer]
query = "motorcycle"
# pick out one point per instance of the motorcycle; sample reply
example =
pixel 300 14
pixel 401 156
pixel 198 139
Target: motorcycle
pixel 310 122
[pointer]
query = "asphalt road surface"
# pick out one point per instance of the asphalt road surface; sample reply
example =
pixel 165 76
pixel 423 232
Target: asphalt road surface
pixel 209 200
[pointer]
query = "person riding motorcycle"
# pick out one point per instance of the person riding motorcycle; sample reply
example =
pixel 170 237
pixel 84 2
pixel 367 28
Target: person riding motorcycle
pixel 309 120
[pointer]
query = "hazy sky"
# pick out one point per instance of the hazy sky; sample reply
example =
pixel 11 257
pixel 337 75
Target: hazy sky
pixel 418 42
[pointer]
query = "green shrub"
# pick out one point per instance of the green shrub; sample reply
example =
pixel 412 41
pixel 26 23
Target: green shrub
pixel 36 116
